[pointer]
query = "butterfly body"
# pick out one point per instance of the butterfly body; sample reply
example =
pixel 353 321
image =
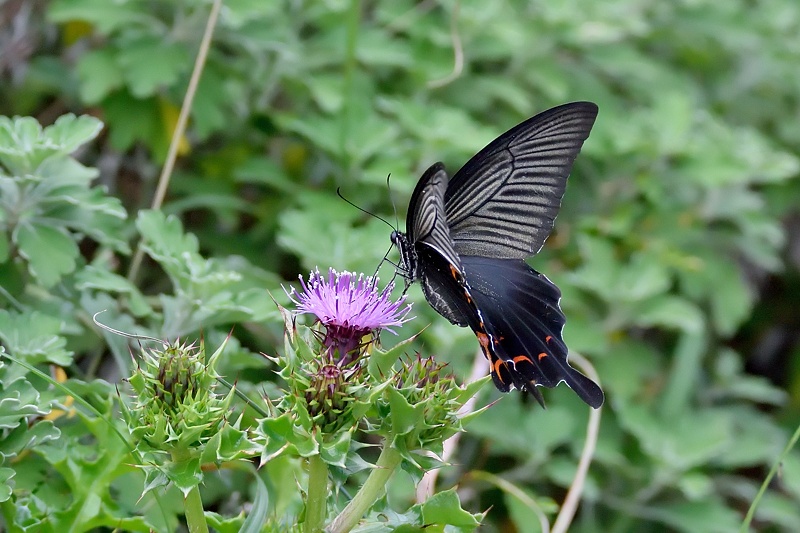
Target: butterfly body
pixel 467 237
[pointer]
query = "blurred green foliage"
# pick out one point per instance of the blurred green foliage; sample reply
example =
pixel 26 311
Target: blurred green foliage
pixel 676 247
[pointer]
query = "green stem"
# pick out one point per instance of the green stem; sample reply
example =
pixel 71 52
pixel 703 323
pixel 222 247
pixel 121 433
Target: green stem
pixel 774 470
pixel 193 507
pixel 317 502
pixel 371 490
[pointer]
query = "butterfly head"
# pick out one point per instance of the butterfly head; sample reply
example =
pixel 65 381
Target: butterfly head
pixel 408 257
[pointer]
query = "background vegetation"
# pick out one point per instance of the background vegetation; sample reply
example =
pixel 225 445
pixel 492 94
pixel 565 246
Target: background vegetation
pixel 676 248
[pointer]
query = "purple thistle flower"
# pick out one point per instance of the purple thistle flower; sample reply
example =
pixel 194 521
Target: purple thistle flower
pixel 349 308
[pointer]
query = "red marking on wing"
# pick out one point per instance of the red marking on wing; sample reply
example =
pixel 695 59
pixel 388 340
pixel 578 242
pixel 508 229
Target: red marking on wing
pixel 483 338
pixel 496 369
pixel 454 272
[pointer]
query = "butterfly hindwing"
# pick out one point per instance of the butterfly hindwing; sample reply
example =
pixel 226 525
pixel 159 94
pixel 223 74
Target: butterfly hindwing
pixel 521 313
pixel 444 288
pixel 504 201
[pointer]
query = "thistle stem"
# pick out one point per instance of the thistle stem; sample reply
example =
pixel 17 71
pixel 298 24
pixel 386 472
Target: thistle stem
pixel 317 502
pixel 371 490
pixel 193 509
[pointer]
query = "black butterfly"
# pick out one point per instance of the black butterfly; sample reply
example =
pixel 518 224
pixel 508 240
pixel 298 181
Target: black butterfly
pixel 467 240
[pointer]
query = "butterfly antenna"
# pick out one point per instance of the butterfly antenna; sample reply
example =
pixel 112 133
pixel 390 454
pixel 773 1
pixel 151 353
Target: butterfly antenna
pixel 397 224
pixel 339 192
pixel 391 199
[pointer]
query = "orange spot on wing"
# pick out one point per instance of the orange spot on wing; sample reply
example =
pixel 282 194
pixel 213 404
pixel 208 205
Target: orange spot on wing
pixel 542 356
pixel 483 338
pixel 496 368
pixel 485 342
pixel 519 358
pixel 454 272
pixel 547 339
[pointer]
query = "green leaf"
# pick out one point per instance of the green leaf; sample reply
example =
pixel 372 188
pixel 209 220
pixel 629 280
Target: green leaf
pixel 778 511
pixel 534 437
pixel 107 17
pixel 185 474
pixel 131 120
pixel 644 276
pixel 34 337
pixel 321 242
pixel 165 234
pixel 24 145
pixel 100 74
pixel 150 63
pixel 229 443
pixel 95 278
pixel 732 300
pixel 212 103
pixel 70 132
pixel 4 245
pixel 380 362
pixel 598 271
pixel 334 451
pixel 709 516
pixel 790 473
pixel 444 508
pixel 18 140
pixel 23 438
pixel 6 475
pixel 50 252
pixel 258 512
pixel 670 312
pixel 687 441
pixel 522 511
pixel 404 416
pixel 19 400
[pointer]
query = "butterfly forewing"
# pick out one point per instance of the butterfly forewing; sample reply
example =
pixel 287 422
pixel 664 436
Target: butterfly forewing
pixel 504 201
pixel 426 222
pixel 432 258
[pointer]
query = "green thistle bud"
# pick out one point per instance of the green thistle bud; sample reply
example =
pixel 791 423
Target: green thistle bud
pixel 324 395
pixel 176 407
pixel 420 410
pixel 177 419
pixel 177 375
pixel 330 395
pixel 421 373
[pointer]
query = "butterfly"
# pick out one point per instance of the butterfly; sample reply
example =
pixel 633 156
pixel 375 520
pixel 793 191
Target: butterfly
pixel 467 239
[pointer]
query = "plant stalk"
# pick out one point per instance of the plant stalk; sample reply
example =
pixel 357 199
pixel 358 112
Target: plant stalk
pixel 372 489
pixel 751 512
pixel 193 508
pixel 317 495
pixel 180 127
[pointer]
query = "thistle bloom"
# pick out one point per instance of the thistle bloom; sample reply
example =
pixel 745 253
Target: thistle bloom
pixel 349 308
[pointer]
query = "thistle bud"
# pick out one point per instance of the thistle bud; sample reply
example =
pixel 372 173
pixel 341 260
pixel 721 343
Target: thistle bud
pixel 175 405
